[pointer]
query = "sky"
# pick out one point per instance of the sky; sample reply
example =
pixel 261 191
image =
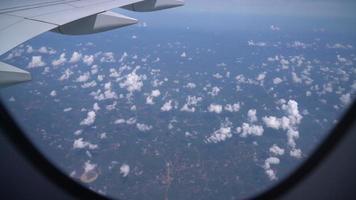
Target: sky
pixel 316 8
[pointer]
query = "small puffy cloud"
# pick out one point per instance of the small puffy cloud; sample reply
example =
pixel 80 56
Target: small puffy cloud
pixel 84 77
pixel 53 93
pixel 81 144
pixel 277 80
pixel 250 129
pixel 252 117
pixel 66 75
pixel 143 127
pixel 220 135
pixel 339 46
pixel 297 153
pixel 232 107
pixel 276 150
pixel 76 57
pixel 67 109
pixel 215 108
pixel 108 57
pixel 88 59
pixel 267 166
pixel 167 106
pixel 274 28
pixel 345 99
pixel 191 102
pixel 96 107
pixel 256 44
pixel 190 85
pixel 35 62
pixel 90 119
pixel 214 91
pixel 183 55
pixel 124 170
pixel 43 50
pixel 132 82
pixel 261 76
pixel 295 78
pixel 60 61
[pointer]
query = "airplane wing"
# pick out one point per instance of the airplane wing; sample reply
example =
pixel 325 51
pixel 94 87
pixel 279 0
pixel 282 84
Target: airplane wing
pixel 21 20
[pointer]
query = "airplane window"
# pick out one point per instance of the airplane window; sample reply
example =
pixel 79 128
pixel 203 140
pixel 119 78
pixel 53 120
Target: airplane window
pixel 213 100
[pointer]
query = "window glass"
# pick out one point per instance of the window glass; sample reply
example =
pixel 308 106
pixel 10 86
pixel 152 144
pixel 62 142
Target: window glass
pixel 213 100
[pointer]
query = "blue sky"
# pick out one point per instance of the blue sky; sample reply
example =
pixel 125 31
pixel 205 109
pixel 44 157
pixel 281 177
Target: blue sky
pixel 317 8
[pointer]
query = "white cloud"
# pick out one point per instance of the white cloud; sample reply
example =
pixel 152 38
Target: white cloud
pixel 252 117
pixel 274 28
pixel 81 144
pixel 132 82
pixel 36 61
pixel 143 127
pixel 276 150
pixel 90 119
pixel 289 123
pixel 66 75
pixel 214 91
pixel 108 57
pixel 215 108
pixel 60 61
pixel 53 93
pixel 191 102
pixel 339 46
pixel 88 59
pixel 76 57
pixel 183 55
pixel 154 93
pixel 297 153
pixel 84 77
pixel 267 166
pixel 167 106
pixel 256 44
pixel 295 78
pixel 190 85
pixel 67 109
pixel 250 129
pixel 220 135
pixel 232 107
pixel 125 170
pixel 96 107
pixel 345 99
pixel 43 50
pixel 277 80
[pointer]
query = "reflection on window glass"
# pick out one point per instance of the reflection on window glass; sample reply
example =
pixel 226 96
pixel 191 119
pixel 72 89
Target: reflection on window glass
pixel 213 100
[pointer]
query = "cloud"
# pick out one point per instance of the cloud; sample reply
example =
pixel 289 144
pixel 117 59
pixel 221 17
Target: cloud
pixel 76 57
pixel 256 44
pixel 108 57
pixel 60 61
pixel 154 93
pixel 132 82
pixel 267 166
pixel 214 91
pixel 183 55
pixel 88 59
pixel 67 109
pixel 232 107
pixel 53 93
pixel 191 102
pixel 220 135
pixel 36 61
pixel 215 108
pixel 190 85
pixel 167 106
pixel 277 80
pixel 66 75
pixel 90 119
pixel 289 123
pixel 83 78
pixel 143 127
pixel 345 99
pixel 276 150
pixel 81 144
pixel 250 129
pixel 252 115
pixel 339 46
pixel 124 170
pixel 274 28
